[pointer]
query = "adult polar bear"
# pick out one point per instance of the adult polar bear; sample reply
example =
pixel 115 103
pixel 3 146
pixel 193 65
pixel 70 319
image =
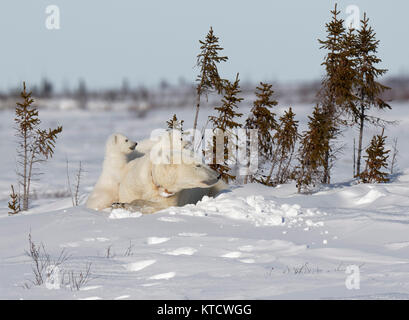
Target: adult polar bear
pixel 131 178
pixel 118 151
pixel 166 175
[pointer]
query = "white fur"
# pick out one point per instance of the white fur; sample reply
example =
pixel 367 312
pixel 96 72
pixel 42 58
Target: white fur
pixel 161 185
pixel 118 150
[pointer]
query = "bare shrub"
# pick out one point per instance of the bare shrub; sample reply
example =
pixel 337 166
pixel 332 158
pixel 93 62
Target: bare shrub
pixel 128 251
pixel 35 145
pixel 77 280
pixel 47 270
pixel 75 196
pixel 77 184
pixel 109 254
pixel 42 263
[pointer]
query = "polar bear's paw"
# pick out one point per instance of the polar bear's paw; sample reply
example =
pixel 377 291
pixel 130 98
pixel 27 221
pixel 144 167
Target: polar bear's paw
pixel 142 206
pixel 118 205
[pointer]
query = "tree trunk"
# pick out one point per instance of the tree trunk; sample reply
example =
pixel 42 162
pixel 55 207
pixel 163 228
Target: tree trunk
pixel 279 171
pixel 361 133
pixel 395 152
pixel 25 163
pixel 273 164
pixel 29 175
pixel 326 178
pixel 197 112
pixel 354 161
pixel 286 176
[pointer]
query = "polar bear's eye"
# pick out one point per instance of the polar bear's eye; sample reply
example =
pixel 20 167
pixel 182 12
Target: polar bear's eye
pixel 126 140
pixel 198 166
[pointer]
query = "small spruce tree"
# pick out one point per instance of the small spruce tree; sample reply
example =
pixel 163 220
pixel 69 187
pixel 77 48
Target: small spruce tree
pixel 35 145
pixel 337 88
pixel 285 139
pixel 208 78
pixel 376 160
pixel 368 90
pixel 313 151
pixel 263 119
pixel 336 95
pixel 14 203
pixel 224 125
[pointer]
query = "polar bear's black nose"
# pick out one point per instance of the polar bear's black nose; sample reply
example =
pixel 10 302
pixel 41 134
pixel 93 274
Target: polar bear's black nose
pixel 220 175
pixel 134 146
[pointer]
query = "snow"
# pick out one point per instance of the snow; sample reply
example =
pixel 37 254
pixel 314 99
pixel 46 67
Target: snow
pixel 182 251
pixel 123 214
pixel 263 212
pixel 163 276
pixel 251 242
pixel 233 255
pixel 136 266
pixel 156 240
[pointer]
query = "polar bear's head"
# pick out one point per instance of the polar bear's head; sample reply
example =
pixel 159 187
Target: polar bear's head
pixel 119 144
pixel 185 175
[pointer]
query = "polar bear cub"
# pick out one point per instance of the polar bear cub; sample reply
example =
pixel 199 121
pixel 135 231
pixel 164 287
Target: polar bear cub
pixel 118 150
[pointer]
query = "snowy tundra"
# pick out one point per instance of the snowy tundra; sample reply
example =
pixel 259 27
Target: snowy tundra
pixel 252 242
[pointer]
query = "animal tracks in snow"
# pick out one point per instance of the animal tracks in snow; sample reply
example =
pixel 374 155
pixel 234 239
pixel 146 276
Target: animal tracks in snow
pixel 247 260
pixel 139 265
pixel 163 276
pixel 261 251
pixel 246 248
pixel 156 240
pixel 192 234
pixel 150 284
pixel 232 255
pixel 182 251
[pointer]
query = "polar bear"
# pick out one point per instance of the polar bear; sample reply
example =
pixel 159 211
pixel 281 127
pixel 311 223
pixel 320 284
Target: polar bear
pixel 118 152
pixel 149 186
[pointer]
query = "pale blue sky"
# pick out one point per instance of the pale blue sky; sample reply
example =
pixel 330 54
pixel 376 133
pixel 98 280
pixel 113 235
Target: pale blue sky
pixel 104 41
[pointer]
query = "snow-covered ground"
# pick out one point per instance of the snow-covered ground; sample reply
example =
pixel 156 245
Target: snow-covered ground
pixel 252 242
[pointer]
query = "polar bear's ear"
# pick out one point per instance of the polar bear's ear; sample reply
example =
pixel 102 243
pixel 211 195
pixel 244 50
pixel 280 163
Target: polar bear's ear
pixel 115 139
